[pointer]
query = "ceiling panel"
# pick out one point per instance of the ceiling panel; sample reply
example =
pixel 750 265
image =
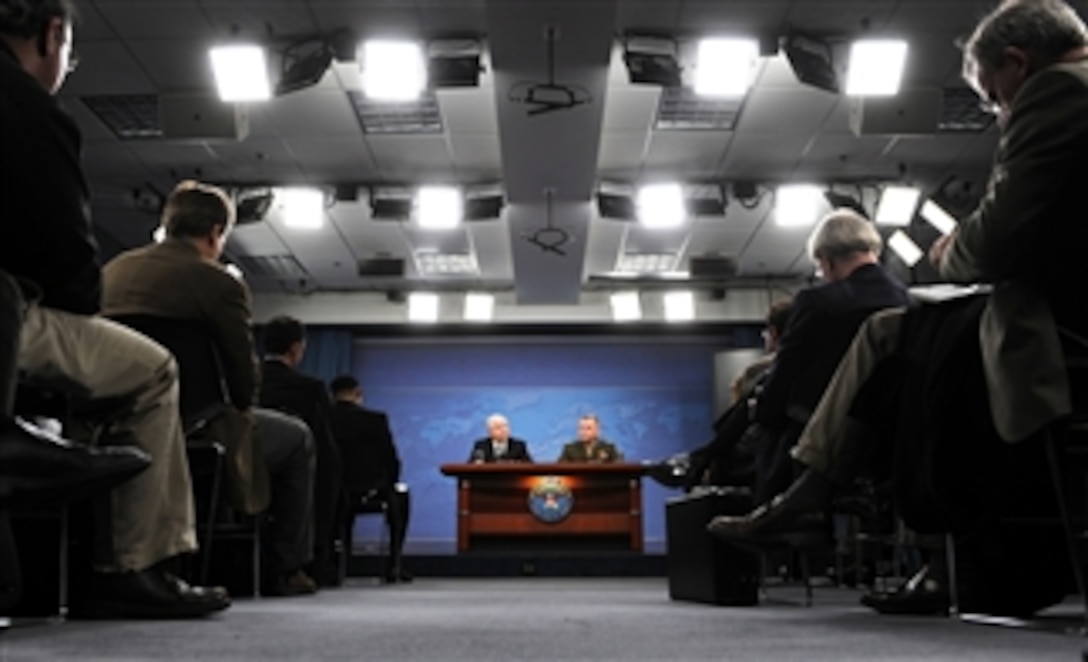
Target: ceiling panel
pixel 764 156
pixel 176 65
pixel 336 159
pixel 369 19
pixel 785 110
pixel 622 151
pixel 154 20
pixel 107 67
pixel 743 16
pixel 468 111
pixel 410 157
pixel 476 156
pixel 317 114
pixel 688 153
pixel 630 107
pixel 257 18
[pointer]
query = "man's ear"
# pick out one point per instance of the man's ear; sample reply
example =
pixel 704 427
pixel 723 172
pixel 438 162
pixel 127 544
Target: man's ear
pixel 1017 57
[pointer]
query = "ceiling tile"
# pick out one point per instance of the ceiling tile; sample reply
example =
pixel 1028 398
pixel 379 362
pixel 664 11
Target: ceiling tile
pixel 310 114
pixel 468 111
pixel 144 20
pixel 476 156
pixel 785 110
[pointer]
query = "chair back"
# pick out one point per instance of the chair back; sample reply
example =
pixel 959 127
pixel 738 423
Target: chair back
pixel 203 393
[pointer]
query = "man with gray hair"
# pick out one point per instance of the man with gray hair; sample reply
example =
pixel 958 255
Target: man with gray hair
pixel 498 445
pixel 1028 59
pixel 845 247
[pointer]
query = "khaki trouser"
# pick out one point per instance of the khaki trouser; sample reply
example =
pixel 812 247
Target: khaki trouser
pixel 151 514
pixel 826 444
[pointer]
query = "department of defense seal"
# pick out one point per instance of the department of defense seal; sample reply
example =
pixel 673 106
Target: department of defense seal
pixel 550 501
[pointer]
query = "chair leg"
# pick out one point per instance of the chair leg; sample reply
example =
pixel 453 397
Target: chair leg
pixel 1067 521
pixel 256 557
pixel 209 525
pixel 806 575
pixel 953 580
pixel 346 543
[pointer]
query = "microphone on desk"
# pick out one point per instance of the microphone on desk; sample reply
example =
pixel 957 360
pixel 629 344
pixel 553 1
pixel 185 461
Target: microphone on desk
pixel 477 456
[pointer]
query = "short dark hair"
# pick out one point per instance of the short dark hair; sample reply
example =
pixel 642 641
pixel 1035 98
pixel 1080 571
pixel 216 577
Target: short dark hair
pixel 26 19
pixel 779 315
pixel 282 332
pixel 194 209
pixel 343 383
pixel 1047 28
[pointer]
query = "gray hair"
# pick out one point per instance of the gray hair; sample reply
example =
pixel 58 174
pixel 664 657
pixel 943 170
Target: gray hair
pixel 842 232
pixel 26 19
pixel 496 418
pixel 1047 28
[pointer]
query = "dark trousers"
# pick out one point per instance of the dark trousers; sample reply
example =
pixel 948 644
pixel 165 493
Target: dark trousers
pixel 328 505
pixel 397 510
pixel 288 450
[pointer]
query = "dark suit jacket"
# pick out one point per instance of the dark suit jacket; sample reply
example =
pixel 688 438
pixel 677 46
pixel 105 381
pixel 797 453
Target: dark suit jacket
pixel 172 280
pixel 46 206
pixel 516 451
pixel 821 327
pixel 285 389
pixel 366 447
pixel 603 452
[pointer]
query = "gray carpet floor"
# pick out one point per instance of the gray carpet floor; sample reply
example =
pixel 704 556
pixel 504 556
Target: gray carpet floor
pixel 538 619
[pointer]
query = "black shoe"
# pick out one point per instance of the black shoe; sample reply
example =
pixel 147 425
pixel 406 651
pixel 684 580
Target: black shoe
pixel 37 466
pixel 922 595
pixel 397 576
pixel 291 584
pixel 794 517
pixel 151 593
pixel 673 472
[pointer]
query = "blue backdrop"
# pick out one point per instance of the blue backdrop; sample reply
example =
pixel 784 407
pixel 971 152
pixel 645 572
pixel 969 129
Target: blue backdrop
pixel 653 399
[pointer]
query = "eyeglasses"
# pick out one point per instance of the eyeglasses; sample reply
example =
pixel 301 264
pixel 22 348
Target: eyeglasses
pixel 73 61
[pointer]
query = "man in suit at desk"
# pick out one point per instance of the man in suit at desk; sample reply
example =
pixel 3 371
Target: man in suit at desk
pixel 499 446
pixel 589 447
pixel 371 466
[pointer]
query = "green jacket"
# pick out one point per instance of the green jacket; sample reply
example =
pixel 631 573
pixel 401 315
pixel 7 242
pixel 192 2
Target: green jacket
pixel 600 452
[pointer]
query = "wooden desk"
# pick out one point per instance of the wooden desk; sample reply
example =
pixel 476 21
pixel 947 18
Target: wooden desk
pixel 590 503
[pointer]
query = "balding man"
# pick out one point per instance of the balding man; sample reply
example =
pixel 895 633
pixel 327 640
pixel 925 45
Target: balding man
pixel 498 445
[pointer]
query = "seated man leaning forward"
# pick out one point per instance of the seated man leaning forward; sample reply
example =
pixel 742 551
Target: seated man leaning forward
pixel 589 447
pixel 498 445
pixel 270 455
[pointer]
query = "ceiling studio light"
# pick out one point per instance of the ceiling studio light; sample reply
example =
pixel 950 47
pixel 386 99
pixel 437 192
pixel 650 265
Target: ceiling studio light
pixel 797 205
pixel 876 67
pixel 241 73
pixel 626 306
pixel 439 207
pixel 303 208
pixel 660 206
pixel 897 205
pixel 423 307
pixel 936 216
pixel 679 306
pixel 725 67
pixel 479 307
pixel 392 70
pixel 905 248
